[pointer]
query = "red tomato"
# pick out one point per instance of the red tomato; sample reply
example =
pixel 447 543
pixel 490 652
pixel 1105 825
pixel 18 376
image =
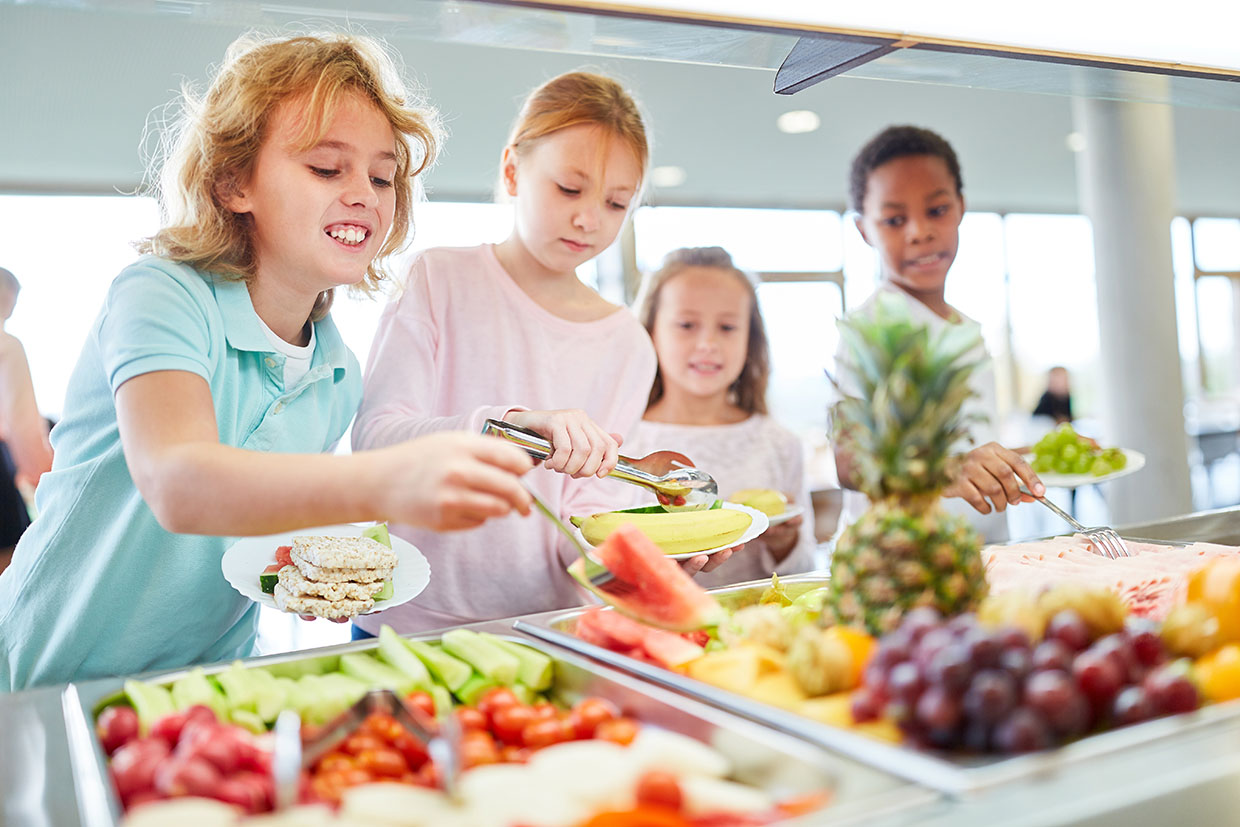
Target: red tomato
pixel 478 748
pixel 495 699
pixel 117 726
pixel 239 793
pixel 429 776
pixel 423 702
pixel 589 713
pixel 284 556
pixel 356 777
pixel 169 727
pixel 470 718
pixel 385 763
pixel 411 749
pixel 620 731
pixel 510 721
pixel 133 765
pixel 545 711
pixel 511 754
pixel 358 743
pixel 657 788
pixel 383 727
pixel 543 733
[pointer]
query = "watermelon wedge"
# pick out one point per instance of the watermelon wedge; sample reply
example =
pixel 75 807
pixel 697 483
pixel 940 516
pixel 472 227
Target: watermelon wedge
pixel 659 591
pixel 623 635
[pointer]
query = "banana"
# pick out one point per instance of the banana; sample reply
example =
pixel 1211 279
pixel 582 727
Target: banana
pixel 675 532
pixel 767 500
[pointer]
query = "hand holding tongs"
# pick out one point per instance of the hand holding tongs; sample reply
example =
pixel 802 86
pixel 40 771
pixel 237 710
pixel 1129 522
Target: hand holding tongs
pixel 292 756
pixel 671 476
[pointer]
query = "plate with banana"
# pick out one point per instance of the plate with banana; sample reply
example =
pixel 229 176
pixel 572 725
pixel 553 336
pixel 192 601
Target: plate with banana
pixel 680 534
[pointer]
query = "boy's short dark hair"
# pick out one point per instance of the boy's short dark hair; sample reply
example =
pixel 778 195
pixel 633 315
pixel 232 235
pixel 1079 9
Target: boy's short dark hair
pixel 899 142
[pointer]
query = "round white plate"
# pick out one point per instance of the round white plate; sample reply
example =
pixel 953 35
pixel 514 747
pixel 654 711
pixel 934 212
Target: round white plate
pixel 1136 461
pixel 756 527
pixel 791 510
pixel 245 560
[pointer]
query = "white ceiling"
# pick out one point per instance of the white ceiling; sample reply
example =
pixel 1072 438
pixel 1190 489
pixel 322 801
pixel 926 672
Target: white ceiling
pixel 79 81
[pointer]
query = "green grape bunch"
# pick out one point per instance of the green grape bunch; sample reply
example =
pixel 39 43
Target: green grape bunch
pixel 1064 451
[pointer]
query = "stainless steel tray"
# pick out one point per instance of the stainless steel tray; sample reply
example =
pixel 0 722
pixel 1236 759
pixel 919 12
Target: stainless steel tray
pixel 952 774
pixel 782 765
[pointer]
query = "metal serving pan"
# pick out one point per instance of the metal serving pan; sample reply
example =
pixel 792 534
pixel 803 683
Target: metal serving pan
pixel 952 774
pixel 782 765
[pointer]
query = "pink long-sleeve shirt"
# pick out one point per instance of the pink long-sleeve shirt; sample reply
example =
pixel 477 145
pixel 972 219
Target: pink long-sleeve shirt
pixel 463 343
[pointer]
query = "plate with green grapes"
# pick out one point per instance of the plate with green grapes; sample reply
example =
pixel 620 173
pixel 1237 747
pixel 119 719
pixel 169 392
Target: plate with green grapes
pixel 1065 459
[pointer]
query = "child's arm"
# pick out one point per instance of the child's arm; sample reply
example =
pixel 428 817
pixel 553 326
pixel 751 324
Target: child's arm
pixel 992 472
pixel 21 425
pixel 195 485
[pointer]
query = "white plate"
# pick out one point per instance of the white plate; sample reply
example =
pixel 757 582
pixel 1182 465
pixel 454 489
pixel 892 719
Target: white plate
pixel 1136 461
pixel 245 560
pixel 791 510
pixel 759 525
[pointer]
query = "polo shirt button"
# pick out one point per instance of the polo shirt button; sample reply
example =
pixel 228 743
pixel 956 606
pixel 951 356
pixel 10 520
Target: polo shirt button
pixel 271 363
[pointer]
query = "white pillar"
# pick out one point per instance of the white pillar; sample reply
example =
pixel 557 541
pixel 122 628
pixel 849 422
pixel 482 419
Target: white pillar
pixel 1126 184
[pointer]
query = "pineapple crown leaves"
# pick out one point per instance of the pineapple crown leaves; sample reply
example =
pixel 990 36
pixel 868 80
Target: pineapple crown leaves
pixel 907 417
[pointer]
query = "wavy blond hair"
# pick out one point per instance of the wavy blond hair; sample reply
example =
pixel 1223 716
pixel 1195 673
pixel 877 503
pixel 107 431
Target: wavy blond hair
pixel 215 139
pixel 576 98
pixel 749 389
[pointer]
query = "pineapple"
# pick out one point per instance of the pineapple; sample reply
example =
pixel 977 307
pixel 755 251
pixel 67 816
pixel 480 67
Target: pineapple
pixel 901 434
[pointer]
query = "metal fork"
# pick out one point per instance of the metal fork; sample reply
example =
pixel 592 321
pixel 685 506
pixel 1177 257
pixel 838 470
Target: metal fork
pixel 1105 539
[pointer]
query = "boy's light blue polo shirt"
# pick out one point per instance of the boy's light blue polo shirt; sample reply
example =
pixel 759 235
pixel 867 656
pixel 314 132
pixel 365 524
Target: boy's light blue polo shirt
pixel 96 586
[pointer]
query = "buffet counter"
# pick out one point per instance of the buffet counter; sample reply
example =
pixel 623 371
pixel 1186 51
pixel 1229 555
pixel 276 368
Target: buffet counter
pixel 1172 770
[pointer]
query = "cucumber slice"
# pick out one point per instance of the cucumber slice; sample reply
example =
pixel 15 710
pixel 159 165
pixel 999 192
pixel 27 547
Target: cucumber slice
pixel 536 670
pixel 393 650
pixel 151 702
pixel 449 671
pixel 379 533
pixel 386 592
pixel 489 660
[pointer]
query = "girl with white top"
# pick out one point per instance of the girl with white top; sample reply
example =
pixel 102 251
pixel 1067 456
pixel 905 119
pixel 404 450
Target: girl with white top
pixel 708 400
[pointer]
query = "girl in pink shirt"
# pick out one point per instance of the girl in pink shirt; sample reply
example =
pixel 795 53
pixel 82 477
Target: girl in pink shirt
pixel 508 331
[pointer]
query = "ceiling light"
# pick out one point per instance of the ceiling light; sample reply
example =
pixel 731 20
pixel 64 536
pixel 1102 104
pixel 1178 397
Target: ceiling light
pixel 798 121
pixel 668 176
pixel 1075 141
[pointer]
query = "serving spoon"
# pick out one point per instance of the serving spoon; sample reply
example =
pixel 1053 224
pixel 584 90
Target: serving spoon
pixel 670 475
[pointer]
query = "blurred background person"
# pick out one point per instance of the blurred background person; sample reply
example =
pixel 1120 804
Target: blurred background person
pixel 25 452
pixel 1056 402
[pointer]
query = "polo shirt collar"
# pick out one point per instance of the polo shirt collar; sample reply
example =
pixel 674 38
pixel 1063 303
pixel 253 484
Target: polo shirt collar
pixel 244 331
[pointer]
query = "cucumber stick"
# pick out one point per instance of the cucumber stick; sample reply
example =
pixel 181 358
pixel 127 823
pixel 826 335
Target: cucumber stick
pixel 197 688
pixel 536 670
pixel 489 660
pixel 150 701
pixel 449 671
pixel 472 689
pixel 375 674
pixel 393 650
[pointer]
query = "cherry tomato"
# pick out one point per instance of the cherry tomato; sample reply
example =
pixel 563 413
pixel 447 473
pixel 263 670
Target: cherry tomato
pixel 511 754
pixel 657 788
pixel 411 749
pixel 496 699
pixel 542 733
pixel 356 777
pixel 327 786
pixel 589 713
pixel 386 763
pixel 470 718
pixel 384 727
pixel 510 721
pixel 429 775
pixel 545 711
pixel 334 761
pixel 618 730
pixel 423 702
pixel 358 743
pixel 478 748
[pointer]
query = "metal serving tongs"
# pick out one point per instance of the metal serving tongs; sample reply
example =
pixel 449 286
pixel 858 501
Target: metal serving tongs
pixel 292 755
pixel 671 476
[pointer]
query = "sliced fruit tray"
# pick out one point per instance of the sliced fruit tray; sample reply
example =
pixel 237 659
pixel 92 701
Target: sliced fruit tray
pixel 783 767
pixel 954 773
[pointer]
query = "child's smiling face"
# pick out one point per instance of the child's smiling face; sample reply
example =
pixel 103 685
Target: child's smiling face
pixel 320 216
pixel 701 331
pixel 911 215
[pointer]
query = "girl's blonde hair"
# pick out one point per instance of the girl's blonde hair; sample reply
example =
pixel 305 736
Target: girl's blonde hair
pixel 216 139
pixel 582 98
pixel 749 389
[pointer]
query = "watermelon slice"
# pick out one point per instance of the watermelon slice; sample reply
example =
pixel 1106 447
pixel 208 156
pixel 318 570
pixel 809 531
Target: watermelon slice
pixel 625 636
pixel 659 591
pixel 284 556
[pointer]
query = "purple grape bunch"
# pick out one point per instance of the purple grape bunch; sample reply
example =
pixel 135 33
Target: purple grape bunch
pixel 954 684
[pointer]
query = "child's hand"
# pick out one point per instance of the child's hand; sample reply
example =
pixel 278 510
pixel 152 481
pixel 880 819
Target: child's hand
pixel 452 481
pixel 580 448
pixel 781 539
pixel 708 562
pixel 992 474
